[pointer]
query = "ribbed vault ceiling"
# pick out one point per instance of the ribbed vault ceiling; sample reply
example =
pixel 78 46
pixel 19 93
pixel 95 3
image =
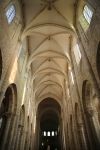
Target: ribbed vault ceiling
pixel 48 28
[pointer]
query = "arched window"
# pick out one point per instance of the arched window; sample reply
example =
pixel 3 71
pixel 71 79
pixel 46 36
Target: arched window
pixel 44 133
pixel 48 133
pixel 98 60
pixel 53 133
pixel 10 13
pixel 86 16
pixel 88 13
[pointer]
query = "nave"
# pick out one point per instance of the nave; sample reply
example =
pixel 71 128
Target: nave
pixel 49 75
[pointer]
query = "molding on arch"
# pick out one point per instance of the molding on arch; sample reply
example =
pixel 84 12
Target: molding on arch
pixel 52 71
pixel 56 65
pixel 46 82
pixel 29 31
pixel 55 97
pixel 46 86
pixel 40 54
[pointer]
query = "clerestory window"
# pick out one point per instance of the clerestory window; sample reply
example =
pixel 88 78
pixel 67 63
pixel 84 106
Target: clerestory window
pixel 48 133
pixel 53 133
pixel 44 133
pixel 86 16
pixel 10 13
pixel 88 13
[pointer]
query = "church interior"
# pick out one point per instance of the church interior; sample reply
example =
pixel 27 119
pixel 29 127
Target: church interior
pixel 49 74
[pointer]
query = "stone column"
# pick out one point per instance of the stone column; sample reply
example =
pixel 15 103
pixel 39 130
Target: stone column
pixel 13 133
pixel 92 76
pixel 7 132
pixel 82 139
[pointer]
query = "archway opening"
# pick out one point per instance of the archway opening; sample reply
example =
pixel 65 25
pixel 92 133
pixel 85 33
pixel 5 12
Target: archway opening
pixel 7 109
pixel 49 113
pixel 90 104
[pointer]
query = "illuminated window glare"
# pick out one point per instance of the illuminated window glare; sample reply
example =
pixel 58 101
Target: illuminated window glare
pixel 53 133
pixel 86 17
pixel 48 134
pixel 72 78
pixel 10 13
pixel 88 13
pixel 56 133
pixel 44 133
pixel 77 54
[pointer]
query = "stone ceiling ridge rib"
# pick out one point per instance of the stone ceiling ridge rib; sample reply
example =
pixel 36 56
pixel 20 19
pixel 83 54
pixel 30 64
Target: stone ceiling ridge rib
pixel 49 85
pixel 47 17
pixel 57 66
pixel 49 69
pixel 56 54
pixel 68 29
pixel 45 82
pixel 46 72
pixel 48 29
pixel 51 77
pixel 49 94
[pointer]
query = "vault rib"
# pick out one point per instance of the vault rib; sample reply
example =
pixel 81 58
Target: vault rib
pixel 49 94
pixel 37 14
pixel 46 72
pixel 60 13
pixel 67 28
pixel 35 56
pixel 41 33
pixel 45 88
pixel 41 64
pixel 47 75
pixel 45 82
pixel 30 33
pixel 50 69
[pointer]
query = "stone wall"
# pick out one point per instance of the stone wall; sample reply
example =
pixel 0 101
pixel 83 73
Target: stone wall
pixel 14 71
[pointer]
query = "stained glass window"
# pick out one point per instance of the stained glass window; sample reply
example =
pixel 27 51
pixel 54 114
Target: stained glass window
pixel 88 13
pixel 10 13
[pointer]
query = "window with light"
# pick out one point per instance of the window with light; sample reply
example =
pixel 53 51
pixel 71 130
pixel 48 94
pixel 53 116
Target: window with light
pixel 44 133
pixel 48 133
pixel 88 13
pixel 53 133
pixel 10 13
pixel 85 18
